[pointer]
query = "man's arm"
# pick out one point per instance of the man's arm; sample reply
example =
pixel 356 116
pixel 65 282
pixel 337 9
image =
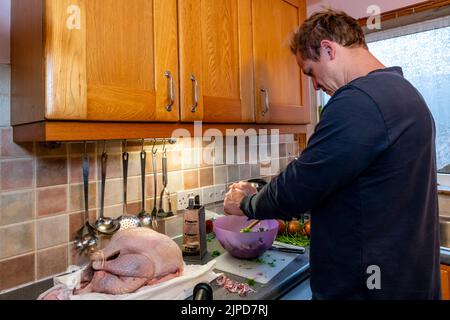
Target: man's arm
pixel 349 137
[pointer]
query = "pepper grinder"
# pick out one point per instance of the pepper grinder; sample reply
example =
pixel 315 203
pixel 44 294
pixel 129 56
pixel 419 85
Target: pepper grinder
pixel 194 229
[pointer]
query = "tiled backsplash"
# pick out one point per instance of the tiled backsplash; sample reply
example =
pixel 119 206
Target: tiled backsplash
pixel 41 193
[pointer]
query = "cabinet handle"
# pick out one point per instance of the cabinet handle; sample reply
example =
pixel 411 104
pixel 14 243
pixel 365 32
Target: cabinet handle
pixel 264 101
pixel 168 75
pixel 195 93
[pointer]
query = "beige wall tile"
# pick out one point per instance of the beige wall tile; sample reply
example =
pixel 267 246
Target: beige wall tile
pixel 233 173
pixel 75 258
pixel 51 171
pixel 53 150
pixel 5 110
pixel 206 177
pixel 113 211
pixel 16 174
pixel 52 261
pixel 76 169
pixel 16 207
pixel 133 208
pixel 134 164
pixel 220 175
pixel 113 192
pixel 174 161
pixel 51 201
pixel 134 189
pixel 245 171
pixel 149 185
pixel 78 148
pixel 175 181
pixel 255 172
pixel 113 166
pixel 5 78
pixel 16 239
pixel 16 272
pixel 76 222
pixel 149 163
pixel 77 196
pixel 190 179
pixel 52 232
pixel 5 94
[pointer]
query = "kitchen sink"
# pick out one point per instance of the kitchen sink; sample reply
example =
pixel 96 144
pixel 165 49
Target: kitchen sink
pixel 444 223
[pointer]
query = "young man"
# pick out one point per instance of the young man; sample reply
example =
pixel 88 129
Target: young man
pixel 368 174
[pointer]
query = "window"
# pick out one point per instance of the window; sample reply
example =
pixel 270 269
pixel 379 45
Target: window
pixel 423 51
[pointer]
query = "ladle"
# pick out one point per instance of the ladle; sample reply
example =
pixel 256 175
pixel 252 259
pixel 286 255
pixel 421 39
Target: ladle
pixel 86 238
pixel 144 217
pixel 127 221
pixel 155 186
pixel 104 224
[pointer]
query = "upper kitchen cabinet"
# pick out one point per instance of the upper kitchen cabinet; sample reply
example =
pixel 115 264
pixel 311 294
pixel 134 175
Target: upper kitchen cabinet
pixel 281 91
pixel 94 60
pixel 216 60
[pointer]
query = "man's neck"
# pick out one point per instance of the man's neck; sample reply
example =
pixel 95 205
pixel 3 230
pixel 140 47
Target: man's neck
pixel 361 63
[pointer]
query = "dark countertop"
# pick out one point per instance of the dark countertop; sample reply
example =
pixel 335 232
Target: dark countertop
pixel 291 276
pixel 296 272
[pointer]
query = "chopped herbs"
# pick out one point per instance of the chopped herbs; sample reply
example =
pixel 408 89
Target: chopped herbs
pixel 210 237
pixel 250 282
pixel 298 240
pixel 272 264
pixel 258 260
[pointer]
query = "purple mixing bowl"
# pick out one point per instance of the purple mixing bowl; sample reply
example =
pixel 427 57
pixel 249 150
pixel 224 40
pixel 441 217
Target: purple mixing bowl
pixel 245 245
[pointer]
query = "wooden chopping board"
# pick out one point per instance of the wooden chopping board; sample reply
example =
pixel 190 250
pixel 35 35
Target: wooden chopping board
pixel 262 271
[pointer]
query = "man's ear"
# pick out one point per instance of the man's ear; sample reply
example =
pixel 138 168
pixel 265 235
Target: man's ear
pixel 328 49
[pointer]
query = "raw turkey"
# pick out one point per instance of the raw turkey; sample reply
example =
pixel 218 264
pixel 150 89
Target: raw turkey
pixel 134 258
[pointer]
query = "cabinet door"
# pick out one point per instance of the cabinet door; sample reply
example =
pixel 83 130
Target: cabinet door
pixel 281 91
pixel 112 60
pixel 445 282
pixel 216 61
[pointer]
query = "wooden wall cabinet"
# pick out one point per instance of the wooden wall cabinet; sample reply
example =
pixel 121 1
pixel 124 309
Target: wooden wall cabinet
pixel 216 60
pixel 94 60
pixel 143 61
pixel 281 90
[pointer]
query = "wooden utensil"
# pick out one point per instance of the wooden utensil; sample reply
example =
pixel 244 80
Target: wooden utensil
pixel 250 226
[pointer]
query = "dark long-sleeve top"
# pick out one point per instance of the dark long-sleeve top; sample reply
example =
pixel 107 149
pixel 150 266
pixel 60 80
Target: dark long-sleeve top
pixel 368 177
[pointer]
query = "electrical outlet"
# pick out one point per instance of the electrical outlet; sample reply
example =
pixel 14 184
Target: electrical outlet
pixel 219 192
pixel 183 198
pixel 209 195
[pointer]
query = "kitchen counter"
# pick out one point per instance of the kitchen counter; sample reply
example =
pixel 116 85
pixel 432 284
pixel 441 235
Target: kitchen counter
pixel 291 276
pixel 296 272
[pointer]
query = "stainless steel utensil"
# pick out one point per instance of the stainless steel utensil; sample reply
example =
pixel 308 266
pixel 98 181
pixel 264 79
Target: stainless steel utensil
pixel 127 221
pixel 86 239
pixel 105 225
pixel 155 186
pixel 161 212
pixel 144 217
pixel 300 250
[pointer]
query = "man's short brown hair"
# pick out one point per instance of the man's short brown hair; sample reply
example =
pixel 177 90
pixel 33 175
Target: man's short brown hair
pixel 330 25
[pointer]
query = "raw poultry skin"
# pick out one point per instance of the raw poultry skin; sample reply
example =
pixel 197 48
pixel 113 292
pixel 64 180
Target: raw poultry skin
pixel 133 258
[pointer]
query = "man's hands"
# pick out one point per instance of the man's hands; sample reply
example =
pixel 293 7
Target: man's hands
pixel 233 198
